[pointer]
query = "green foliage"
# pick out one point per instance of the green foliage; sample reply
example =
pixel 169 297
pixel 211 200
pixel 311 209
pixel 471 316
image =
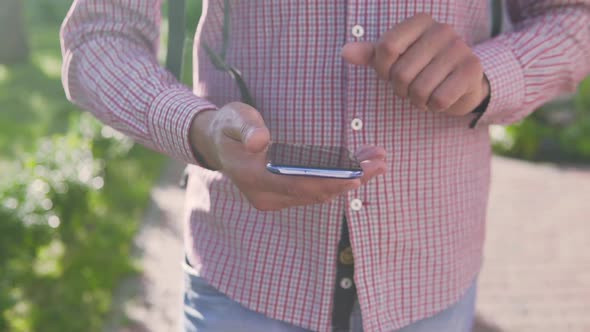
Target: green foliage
pixel 47 11
pixel 559 131
pixel 193 13
pixel 69 211
pixel 71 194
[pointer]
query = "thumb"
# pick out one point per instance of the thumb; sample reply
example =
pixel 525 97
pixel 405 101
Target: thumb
pixel 247 126
pixel 358 53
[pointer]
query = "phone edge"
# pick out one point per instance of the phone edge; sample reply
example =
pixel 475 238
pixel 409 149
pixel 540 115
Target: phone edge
pixel 315 172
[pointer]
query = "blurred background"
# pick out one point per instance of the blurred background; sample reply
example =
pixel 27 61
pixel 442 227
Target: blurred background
pixel 89 222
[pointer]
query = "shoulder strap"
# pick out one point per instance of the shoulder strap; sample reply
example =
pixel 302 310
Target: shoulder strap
pixel 175 51
pixel 176 37
pixel 497 17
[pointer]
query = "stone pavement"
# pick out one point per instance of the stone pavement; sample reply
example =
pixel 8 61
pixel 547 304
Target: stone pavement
pixel 536 274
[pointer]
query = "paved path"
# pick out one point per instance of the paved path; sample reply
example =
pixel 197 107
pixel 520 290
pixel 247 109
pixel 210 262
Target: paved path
pixel 536 274
pixel 152 303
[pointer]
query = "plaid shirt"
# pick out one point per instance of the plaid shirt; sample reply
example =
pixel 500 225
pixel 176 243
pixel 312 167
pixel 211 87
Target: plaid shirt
pixel 416 232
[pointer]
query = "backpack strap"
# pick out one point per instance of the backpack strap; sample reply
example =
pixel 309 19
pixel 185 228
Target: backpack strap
pixel 176 37
pixel 175 51
pixel 497 16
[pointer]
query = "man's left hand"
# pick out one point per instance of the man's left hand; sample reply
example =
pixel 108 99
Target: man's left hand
pixel 427 62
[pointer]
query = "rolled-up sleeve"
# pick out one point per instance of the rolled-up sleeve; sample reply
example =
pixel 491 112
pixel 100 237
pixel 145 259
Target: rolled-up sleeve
pixel 110 69
pixel 546 55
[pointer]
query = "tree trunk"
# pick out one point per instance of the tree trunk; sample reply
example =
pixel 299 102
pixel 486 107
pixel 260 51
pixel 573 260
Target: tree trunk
pixel 14 46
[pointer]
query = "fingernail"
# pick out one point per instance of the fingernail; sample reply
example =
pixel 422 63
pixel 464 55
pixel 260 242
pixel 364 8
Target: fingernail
pixel 250 132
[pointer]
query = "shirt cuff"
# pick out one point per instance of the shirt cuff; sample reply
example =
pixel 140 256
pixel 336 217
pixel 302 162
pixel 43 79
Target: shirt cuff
pixel 169 120
pixel 507 86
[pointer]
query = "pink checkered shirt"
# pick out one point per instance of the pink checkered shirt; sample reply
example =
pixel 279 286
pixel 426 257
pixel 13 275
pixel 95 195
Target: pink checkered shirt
pixel 418 233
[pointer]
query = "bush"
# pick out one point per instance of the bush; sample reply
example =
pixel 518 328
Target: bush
pixel 71 203
pixel 47 10
pixel 69 211
pixel 558 131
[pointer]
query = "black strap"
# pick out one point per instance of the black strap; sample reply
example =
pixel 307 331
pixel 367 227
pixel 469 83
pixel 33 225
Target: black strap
pixel 497 17
pixel 176 37
pixel 175 51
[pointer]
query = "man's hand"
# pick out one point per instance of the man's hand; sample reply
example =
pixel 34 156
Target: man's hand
pixel 428 63
pixel 234 140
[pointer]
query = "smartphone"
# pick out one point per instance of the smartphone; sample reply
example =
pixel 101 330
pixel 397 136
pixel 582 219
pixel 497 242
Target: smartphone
pixel 313 160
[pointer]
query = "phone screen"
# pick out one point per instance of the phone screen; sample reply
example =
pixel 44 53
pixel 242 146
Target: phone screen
pixel 312 156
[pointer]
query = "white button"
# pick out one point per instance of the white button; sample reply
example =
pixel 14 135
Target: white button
pixel 345 283
pixel 356 204
pixel 356 124
pixel 358 31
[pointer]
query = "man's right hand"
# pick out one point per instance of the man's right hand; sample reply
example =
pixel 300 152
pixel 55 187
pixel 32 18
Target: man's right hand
pixel 234 140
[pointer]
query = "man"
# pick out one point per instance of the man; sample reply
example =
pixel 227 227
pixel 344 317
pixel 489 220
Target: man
pixel 416 80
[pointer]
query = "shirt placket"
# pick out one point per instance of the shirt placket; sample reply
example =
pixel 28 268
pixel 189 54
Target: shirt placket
pixel 345 287
pixel 345 291
pixel 355 92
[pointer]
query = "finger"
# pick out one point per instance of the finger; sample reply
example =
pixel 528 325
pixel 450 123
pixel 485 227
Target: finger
pixel 370 152
pixel 459 107
pixel 244 123
pixel 271 201
pixel 260 181
pixel 257 139
pixel 314 187
pixel 462 81
pixel 270 192
pixel 410 64
pixel 396 41
pixel 358 53
pixel 468 102
pixel 421 89
pixel 267 201
pixel 372 168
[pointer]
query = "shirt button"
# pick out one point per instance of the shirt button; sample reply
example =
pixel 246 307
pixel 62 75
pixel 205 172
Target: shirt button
pixel 356 124
pixel 356 204
pixel 346 257
pixel 345 283
pixel 358 31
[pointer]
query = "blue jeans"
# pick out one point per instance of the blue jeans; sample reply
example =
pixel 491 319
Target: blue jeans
pixel 208 310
